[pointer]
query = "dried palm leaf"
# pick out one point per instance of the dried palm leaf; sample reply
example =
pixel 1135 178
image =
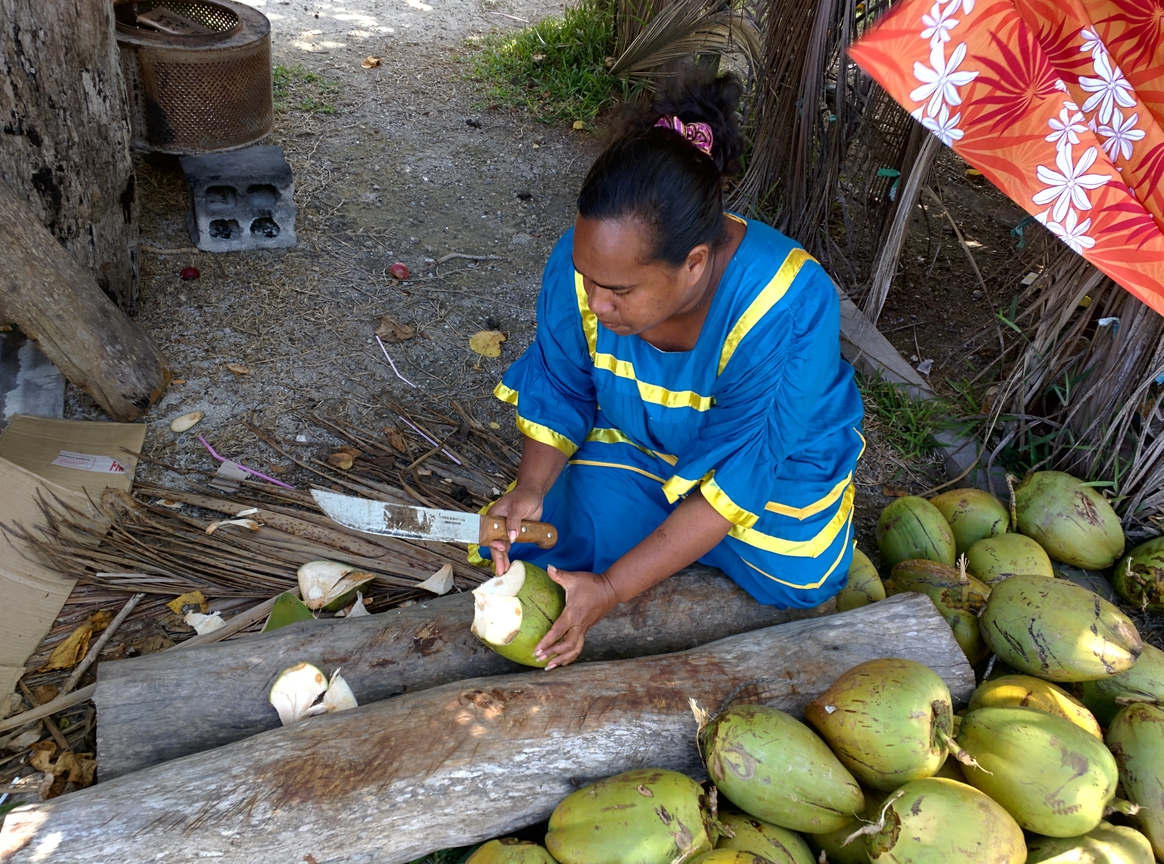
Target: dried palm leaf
pixel 686 28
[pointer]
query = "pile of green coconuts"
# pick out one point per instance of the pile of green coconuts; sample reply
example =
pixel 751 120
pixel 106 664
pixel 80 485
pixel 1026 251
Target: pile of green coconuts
pixel 1057 757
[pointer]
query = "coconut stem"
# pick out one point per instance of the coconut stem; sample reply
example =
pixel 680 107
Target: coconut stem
pixel 958 753
pixel 1119 805
pixel 874 827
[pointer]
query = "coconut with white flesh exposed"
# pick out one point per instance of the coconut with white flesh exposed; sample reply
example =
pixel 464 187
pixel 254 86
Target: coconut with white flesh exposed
pixel 330 585
pixel 512 612
pixel 295 691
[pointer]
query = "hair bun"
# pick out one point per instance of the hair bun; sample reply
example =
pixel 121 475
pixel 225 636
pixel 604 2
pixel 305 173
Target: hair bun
pixel 696 94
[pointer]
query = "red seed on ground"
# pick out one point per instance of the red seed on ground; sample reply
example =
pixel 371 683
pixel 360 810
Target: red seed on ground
pixel 399 271
pixel 189 273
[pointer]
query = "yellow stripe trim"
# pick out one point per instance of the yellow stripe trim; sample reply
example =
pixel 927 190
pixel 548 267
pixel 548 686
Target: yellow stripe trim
pixel 505 394
pixel 763 303
pixel 725 506
pixel 801 548
pixel 653 392
pixel 808 587
pixel 615 436
pixel 598 464
pixel 676 487
pixel 815 507
pixel 546 435
pixel 589 320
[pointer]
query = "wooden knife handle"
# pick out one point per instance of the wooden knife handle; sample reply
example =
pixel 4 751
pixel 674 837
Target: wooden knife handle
pixel 543 534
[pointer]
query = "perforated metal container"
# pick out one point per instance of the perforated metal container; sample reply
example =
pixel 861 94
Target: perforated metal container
pixel 197 93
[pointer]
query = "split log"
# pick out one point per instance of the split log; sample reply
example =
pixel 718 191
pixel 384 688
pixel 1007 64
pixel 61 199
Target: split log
pixel 65 143
pixel 56 303
pixel 219 691
pixel 394 780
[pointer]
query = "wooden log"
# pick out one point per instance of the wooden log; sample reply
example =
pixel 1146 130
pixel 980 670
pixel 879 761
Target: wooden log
pixel 402 650
pixel 65 143
pixel 394 780
pixel 45 292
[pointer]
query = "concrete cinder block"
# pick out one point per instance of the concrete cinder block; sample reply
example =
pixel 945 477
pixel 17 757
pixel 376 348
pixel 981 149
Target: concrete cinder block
pixel 240 200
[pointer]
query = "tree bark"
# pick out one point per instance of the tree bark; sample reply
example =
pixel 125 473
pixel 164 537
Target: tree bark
pixel 402 650
pixel 395 780
pixel 45 292
pixel 65 142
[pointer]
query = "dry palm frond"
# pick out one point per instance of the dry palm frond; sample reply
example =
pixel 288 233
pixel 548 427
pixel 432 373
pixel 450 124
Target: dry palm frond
pixel 1088 364
pixel 686 28
pixel 632 16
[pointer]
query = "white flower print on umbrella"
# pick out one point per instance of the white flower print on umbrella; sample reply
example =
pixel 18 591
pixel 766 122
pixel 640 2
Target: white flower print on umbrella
pixel 1068 186
pixel 1072 231
pixel 939 21
pixel 944 126
pixel 1091 42
pixel 1109 88
pixel 941 79
pixel 1120 134
pixel 1065 130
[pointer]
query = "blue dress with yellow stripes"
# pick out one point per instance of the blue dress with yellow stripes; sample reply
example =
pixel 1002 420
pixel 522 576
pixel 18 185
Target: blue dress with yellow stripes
pixel 762 415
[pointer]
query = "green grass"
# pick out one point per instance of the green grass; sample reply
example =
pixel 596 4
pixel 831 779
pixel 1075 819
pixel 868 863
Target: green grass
pixel 911 424
pixel 297 89
pixel 555 69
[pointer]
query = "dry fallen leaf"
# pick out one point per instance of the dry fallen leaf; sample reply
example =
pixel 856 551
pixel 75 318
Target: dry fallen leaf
pixel 894 492
pixel 69 652
pixel 278 469
pixel 24 739
pixel 45 693
pixel 192 601
pixel 579 125
pixel 177 381
pixel 42 755
pixel 79 768
pixel 100 619
pixel 152 644
pixel 341 459
pixel 370 62
pixel 395 439
pixel 494 425
pixel 487 343
pixel 391 330
pixel 238 369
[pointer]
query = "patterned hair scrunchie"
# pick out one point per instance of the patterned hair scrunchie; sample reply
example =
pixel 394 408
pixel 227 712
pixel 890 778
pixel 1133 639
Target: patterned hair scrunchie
pixel 698 134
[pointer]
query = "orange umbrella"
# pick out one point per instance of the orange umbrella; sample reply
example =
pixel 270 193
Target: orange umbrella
pixel 1059 103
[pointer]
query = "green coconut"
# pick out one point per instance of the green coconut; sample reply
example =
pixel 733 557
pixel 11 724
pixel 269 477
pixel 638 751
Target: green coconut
pixel 996 558
pixel 1070 520
pixel 663 816
pixel 1139 578
pixel 887 720
pixel 730 856
pixel 1144 682
pixel 510 850
pixel 863 586
pixel 775 768
pixel 939 821
pixel 972 514
pixel 832 843
pixel 912 527
pixel 288 609
pixel 958 597
pixel 1052 776
pixel 1107 844
pixel 1136 739
pixel 1054 629
pixel 1026 691
pixel 512 612
pixel 770 842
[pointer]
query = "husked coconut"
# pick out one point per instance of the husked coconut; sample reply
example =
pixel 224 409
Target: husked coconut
pixel 295 691
pixel 330 585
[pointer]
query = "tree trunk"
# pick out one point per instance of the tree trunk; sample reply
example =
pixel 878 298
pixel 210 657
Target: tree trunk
pixel 65 142
pixel 399 651
pixel 56 303
pixel 394 780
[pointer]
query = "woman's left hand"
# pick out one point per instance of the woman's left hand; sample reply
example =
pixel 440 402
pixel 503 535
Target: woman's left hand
pixel 589 596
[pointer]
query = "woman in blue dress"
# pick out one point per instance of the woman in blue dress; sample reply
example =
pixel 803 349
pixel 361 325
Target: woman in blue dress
pixel 684 398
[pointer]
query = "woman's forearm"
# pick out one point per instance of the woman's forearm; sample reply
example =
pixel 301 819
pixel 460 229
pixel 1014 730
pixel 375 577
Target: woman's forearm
pixel 690 532
pixel 540 466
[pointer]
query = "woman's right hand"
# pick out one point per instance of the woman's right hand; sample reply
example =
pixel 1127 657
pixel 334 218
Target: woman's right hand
pixel 520 503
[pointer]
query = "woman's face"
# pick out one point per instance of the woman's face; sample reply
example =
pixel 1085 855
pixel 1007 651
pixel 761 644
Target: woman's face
pixel 629 293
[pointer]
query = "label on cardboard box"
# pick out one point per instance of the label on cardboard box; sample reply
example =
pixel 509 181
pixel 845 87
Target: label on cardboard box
pixel 87 462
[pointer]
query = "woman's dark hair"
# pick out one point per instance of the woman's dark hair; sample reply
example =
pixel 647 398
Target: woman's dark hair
pixel 653 174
